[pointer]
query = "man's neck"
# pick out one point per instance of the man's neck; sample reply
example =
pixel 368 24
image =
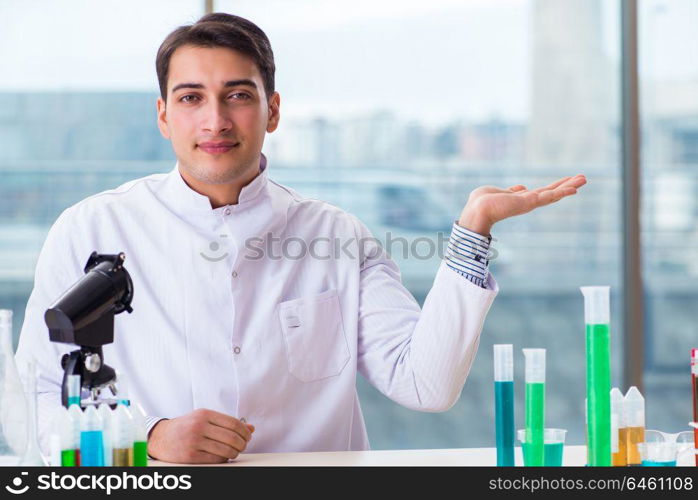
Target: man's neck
pixel 220 194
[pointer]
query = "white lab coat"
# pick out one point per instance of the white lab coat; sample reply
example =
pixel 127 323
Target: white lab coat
pixel 277 342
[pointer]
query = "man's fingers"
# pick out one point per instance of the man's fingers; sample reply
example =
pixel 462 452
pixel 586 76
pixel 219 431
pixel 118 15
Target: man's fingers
pixel 548 197
pixel 225 436
pixel 576 182
pixel 217 448
pixel 228 422
pixel 534 200
pixel 553 185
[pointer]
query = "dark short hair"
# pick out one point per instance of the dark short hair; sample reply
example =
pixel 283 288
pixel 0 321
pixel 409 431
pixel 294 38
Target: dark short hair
pixel 219 30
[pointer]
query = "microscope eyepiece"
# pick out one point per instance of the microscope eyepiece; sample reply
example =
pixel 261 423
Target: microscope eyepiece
pixel 84 314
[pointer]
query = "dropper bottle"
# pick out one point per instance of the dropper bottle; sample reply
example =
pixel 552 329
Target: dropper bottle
pixel 69 439
pixel 91 439
pixel 635 422
pixel 105 414
pixel 122 437
pixel 619 430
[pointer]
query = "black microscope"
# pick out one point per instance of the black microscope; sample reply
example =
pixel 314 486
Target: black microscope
pixel 84 316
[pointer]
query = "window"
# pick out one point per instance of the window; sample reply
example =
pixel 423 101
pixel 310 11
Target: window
pixel 77 115
pixel 438 98
pixel 395 110
pixel 669 121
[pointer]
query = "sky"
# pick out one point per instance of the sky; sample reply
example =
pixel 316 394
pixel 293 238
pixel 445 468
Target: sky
pixel 433 61
pixel 422 59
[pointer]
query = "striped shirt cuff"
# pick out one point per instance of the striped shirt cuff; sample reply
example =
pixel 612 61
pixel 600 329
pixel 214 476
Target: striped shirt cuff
pixel 467 254
pixel 150 422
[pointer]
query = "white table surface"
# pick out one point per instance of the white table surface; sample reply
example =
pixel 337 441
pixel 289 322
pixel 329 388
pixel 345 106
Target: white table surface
pixel 573 455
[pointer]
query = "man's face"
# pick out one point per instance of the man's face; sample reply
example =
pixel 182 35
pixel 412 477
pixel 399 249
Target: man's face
pixel 217 113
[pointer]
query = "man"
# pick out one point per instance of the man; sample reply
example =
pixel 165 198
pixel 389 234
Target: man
pixel 229 349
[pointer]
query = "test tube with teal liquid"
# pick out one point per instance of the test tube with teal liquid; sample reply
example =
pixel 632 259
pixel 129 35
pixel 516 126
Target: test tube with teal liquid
pixel 597 317
pixel 504 403
pixel 535 405
pixel 74 390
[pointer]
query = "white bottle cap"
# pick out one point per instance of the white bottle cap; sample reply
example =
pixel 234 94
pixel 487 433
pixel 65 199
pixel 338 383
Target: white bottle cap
pixel 91 420
pixel 122 428
pixel 105 414
pixel 634 405
pixel 618 406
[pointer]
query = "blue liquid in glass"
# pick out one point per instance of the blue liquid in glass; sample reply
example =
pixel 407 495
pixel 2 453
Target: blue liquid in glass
pixel 91 448
pixel 650 463
pixel 504 421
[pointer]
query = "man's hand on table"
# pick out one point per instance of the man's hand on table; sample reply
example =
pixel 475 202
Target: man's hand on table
pixel 200 437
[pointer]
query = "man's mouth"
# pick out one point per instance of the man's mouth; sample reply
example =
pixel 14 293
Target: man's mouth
pixel 217 148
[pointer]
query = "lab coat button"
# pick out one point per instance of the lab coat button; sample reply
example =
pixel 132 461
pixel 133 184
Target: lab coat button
pixel 236 350
pixel 227 211
pixel 235 274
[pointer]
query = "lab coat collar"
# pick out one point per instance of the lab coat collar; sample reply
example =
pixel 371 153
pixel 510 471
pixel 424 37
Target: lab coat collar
pixel 184 200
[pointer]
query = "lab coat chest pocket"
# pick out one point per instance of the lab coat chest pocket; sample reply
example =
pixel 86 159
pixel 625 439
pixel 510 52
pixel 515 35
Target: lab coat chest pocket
pixel 316 345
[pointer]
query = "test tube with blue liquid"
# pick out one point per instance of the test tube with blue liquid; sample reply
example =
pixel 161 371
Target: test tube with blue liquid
pixel 106 416
pixel 504 403
pixel 91 438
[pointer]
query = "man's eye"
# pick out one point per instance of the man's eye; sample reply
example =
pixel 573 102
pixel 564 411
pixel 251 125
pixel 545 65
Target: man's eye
pixel 240 95
pixel 188 98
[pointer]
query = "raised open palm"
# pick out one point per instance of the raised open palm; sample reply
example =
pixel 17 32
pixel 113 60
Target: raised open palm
pixel 489 204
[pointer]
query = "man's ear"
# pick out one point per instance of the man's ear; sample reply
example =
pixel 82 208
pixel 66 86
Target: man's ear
pixel 273 111
pixel 162 118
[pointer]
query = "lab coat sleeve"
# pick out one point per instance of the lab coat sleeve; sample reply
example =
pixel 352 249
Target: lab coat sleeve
pixel 61 263
pixel 56 270
pixel 418 358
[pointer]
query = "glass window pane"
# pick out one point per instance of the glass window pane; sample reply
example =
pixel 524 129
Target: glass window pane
pixel 77 114
pixel 669 107
pixel 395 110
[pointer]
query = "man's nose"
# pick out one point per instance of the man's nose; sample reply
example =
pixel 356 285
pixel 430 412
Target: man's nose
pixel 216 119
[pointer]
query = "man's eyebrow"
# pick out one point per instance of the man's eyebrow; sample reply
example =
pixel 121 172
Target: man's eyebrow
pixel 229 83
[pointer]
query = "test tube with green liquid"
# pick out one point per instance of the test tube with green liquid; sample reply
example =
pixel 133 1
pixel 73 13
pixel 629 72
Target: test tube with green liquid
pixel 504 403
pixel 535 405
pixel 597 317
